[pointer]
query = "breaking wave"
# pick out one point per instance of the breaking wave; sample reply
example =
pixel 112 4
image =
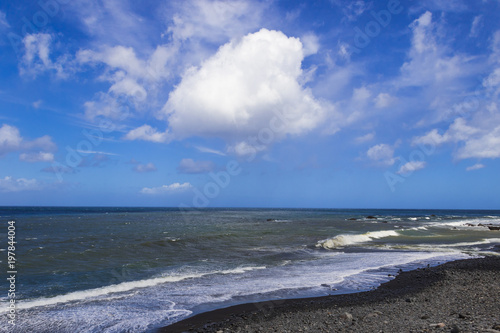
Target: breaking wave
pixel 345 240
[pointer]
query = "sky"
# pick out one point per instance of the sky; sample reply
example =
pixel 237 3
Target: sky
pixel 215 103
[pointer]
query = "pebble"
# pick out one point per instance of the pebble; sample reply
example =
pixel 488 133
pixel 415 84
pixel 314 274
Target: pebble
pixel 346 316
pixel 373 314
pixel 438 325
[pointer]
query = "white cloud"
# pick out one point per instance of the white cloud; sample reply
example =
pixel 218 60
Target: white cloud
pixel 410 167
pixel 383 100
pixel 106 106
pixel 37 57
pixel 11 140
pixel 95 152
pixel 8 184
pixel 209 150
pixel 112 22
pixel 445 5
pixel 382 154
pixel 365 138
pixel 486 145
pixel 172 188
pixel 127 65
pixel 130 87
pixel 476 25
pixel 141 168
pixel 475 167
pixel 244 148
pixel 428 62
pixel 311 44
pixel 147 133
pixel 132 79
pixel 37 104
pixel 237 92
pixel 3 21
pixel 37 157
pixel 458 131
pixel 215 21
pixel 477 142
pixel 343 51
pixel 442 74
pixel 138 72
pixel 361 94
pixel 354 9
pixel 188 165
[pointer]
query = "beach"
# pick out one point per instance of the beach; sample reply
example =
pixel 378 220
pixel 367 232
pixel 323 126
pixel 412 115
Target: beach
pixel 457 296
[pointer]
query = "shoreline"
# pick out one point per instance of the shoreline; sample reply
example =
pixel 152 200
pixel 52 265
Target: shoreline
pixel 457 296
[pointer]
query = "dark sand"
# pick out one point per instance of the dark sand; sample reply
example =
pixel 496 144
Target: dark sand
pixel 459 296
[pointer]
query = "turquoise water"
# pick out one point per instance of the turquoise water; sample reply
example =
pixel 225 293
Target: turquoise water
pixel 135 269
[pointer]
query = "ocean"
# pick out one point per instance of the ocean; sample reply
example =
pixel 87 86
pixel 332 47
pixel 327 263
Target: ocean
pixel 136 269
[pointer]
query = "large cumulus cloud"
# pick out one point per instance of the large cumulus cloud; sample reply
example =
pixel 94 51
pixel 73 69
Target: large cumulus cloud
pixel 240 89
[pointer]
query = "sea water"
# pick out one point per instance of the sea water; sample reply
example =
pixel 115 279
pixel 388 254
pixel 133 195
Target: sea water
pixel 137 269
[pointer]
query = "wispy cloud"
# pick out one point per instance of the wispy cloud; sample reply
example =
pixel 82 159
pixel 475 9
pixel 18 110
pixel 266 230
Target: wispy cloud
pixel 476 26
pixel 475 167
pixel 3 21
pixel 95 152
pixel 36 157
pixel 57 168
pixel 172 188
pixel 188 165
pixel 9 184
pixel 209 150
pixel 365 138
pixel 142 168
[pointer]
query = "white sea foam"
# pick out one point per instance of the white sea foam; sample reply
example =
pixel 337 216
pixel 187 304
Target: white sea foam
pixel 344 240
pixel 468 224
pixel 418 228
pixel 120 288
pixel 241 270
pixel 481 242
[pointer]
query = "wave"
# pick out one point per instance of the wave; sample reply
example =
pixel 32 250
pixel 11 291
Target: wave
pixel 346 239
pixel 120 288
pixel 478 223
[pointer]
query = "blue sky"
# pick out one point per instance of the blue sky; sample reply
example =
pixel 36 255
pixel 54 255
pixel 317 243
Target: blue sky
pixel 341 104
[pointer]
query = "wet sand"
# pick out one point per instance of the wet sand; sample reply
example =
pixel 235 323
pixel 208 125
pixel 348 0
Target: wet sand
pixel 459 296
